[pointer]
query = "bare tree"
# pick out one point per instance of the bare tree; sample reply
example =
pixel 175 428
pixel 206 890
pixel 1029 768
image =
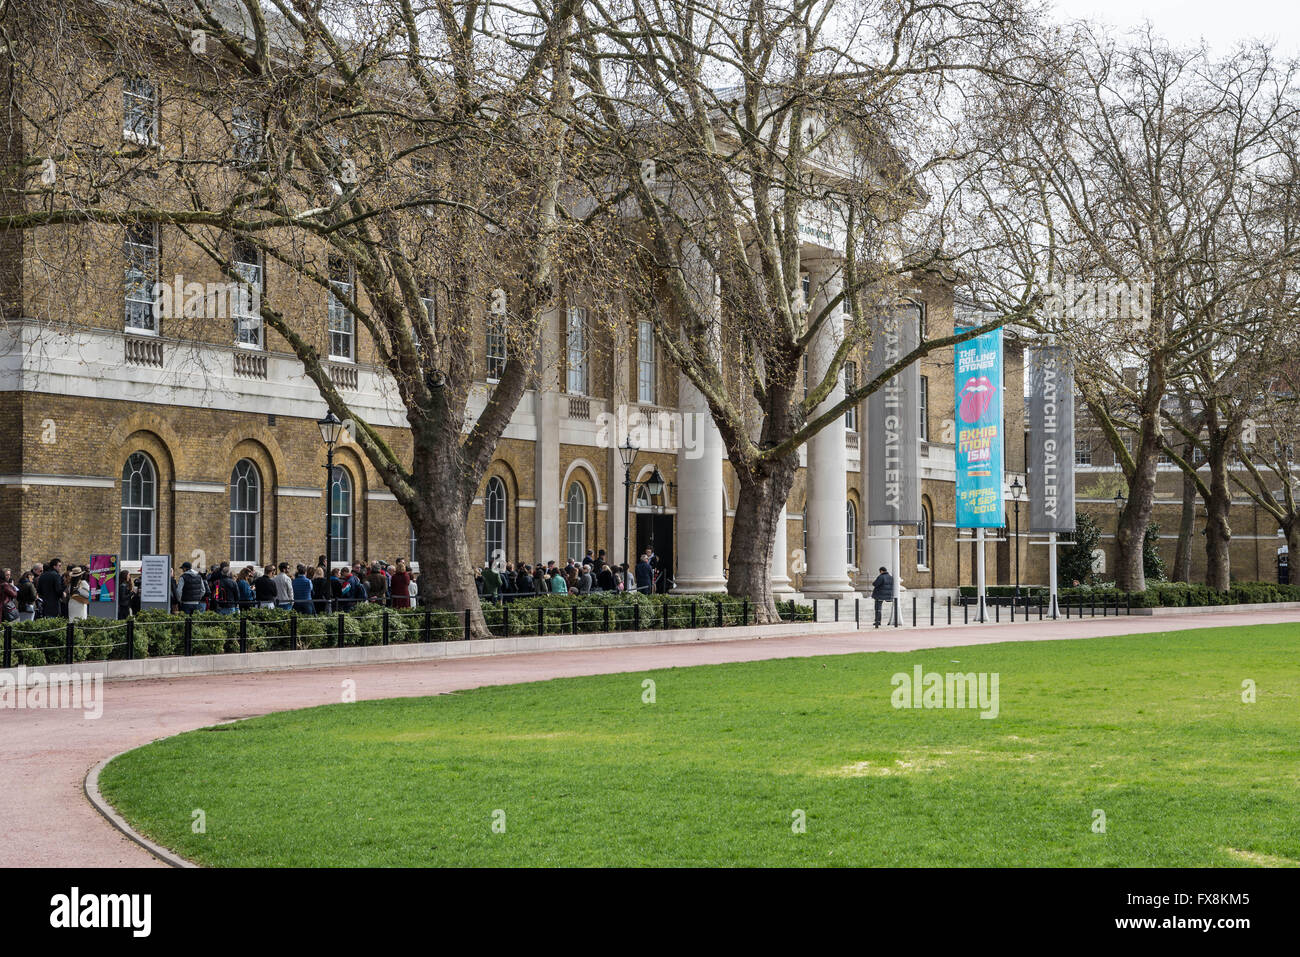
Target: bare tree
pixel 729 131
pixel 409 161
pixel 1133 194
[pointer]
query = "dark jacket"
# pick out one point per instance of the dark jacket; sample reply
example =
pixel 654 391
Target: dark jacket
pixel 228 592
pixel 191 589
pixel 50 587
pixel 644 577
pixel 882 589
pixel 264 588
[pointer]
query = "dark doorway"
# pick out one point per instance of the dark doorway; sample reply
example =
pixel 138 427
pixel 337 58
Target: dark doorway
pixel 1283 569
pixel 656 531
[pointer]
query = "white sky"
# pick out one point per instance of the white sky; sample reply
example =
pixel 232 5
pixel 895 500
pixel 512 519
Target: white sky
pixel 1221 23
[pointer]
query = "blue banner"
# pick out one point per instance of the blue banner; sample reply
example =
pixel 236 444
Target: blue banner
pixel 978 383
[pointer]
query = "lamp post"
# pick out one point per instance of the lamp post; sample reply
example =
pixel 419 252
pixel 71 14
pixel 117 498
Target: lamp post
pixel 654 486
pixel 330 430
pixel 1016 490
pixel 1119 517
pixel 627 452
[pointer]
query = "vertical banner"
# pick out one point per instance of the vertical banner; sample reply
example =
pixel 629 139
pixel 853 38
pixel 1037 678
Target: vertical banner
pixel 1051 441
pixel 102 579
pixel 978 384
pixel 155 582
pixel 894 423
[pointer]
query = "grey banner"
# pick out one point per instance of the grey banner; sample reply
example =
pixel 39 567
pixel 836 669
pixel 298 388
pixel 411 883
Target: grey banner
pixel 1051 441
pixel 893 459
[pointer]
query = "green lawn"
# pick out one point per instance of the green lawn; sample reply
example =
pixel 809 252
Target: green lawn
pixel 1150 729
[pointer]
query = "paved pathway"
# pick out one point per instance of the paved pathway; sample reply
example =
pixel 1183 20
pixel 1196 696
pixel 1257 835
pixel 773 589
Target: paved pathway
pixel 45 819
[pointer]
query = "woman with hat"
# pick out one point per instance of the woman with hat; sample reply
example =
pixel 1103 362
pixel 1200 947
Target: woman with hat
pixel 78 592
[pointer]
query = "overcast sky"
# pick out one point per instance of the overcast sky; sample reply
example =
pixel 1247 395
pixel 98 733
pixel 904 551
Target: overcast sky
pixel 1221 23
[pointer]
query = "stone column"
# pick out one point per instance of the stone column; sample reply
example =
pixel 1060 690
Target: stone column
pixel 615 491
pixel 828 495
pixel 782 589
pixel 700 516
pixel 546 448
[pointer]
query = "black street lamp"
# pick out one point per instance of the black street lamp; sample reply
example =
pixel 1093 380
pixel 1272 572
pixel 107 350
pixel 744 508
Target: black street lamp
pixel 1119 517
pixel 1016 489
pixel 330 430
pixel 654 487
pixel 627 452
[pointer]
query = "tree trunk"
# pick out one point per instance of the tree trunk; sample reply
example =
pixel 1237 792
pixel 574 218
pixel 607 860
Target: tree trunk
pixel 1130 575
pixel 438 516
pixel 1182 571
pixel 753 537
pixel 1218 533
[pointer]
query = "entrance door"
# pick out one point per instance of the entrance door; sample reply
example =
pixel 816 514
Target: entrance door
pixel 656 531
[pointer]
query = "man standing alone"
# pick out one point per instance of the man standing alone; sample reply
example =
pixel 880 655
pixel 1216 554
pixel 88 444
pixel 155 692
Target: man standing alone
pixel 882 590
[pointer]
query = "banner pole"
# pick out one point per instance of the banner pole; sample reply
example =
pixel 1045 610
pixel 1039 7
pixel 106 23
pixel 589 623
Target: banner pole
pixel 979 569
pixel 1051 570
pixel 897 561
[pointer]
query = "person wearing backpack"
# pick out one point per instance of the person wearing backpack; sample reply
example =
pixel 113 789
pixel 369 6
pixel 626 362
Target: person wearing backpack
pixel 227 593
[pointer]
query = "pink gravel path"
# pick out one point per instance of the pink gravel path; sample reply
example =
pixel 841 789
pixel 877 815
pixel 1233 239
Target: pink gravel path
pixel 45 819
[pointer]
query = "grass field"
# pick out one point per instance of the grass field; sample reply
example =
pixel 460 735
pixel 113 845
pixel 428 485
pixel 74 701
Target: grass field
pixel 1152 730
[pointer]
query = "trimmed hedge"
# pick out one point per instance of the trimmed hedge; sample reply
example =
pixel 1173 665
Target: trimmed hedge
pixel 160 634
pixel 1157 595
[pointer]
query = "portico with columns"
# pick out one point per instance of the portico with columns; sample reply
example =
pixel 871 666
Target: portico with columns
pixel 825 510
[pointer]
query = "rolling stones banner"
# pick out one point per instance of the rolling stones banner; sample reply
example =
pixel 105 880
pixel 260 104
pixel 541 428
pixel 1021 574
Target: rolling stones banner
pixel 894 423
pixel 978 382
pixel 1051 441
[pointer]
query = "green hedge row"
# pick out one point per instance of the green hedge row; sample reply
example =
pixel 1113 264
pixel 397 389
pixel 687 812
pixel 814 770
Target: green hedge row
pixel 159 634
pixel 1158 594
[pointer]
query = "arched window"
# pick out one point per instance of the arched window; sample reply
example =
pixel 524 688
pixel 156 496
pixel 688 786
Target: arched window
pixel 341 516
pixel 577 522
pixel 139 505
pixel 245 512
pixel 494 521
pixel 851 536
pixel 923 539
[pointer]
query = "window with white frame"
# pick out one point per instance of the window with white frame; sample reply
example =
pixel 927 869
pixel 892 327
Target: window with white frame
pixel 340 516
pixel 851 534
pixel 246 129
pixel 803 367
pixel 494 521
pixel 247 312
pixel 245 512
pixel 924 425
pixel 496 345
pixel 851 383
pixel 923 539
pixel 139 111
pixel 141 252
pixel 341 320
pixel 576 514
pixel 577 380
pixel 139 506
pixel 1198 455
pixel 646 373
pixel 1082 451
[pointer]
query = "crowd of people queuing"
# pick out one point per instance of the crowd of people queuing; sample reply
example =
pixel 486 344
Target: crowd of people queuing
pixel 49 591
pixel 592 574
